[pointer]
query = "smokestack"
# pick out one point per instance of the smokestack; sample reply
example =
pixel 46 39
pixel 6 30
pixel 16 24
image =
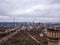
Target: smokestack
pixel 14 22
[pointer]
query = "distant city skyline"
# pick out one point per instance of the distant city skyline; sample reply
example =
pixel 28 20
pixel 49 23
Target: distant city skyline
pixel 30 10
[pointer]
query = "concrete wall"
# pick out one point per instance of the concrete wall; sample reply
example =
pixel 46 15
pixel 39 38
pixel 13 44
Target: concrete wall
pixel 59 42
pixel 52 42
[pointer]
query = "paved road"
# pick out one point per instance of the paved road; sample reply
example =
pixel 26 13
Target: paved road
pixel 9 36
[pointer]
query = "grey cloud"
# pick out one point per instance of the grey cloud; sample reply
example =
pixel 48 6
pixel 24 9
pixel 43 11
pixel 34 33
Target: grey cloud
pixel 56 1
pixel 7 6
pixel 49 13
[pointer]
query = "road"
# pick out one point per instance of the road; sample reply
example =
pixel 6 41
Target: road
pixel 8 36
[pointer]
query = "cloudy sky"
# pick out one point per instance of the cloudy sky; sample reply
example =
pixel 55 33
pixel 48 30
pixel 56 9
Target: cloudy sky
pixel 30 10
